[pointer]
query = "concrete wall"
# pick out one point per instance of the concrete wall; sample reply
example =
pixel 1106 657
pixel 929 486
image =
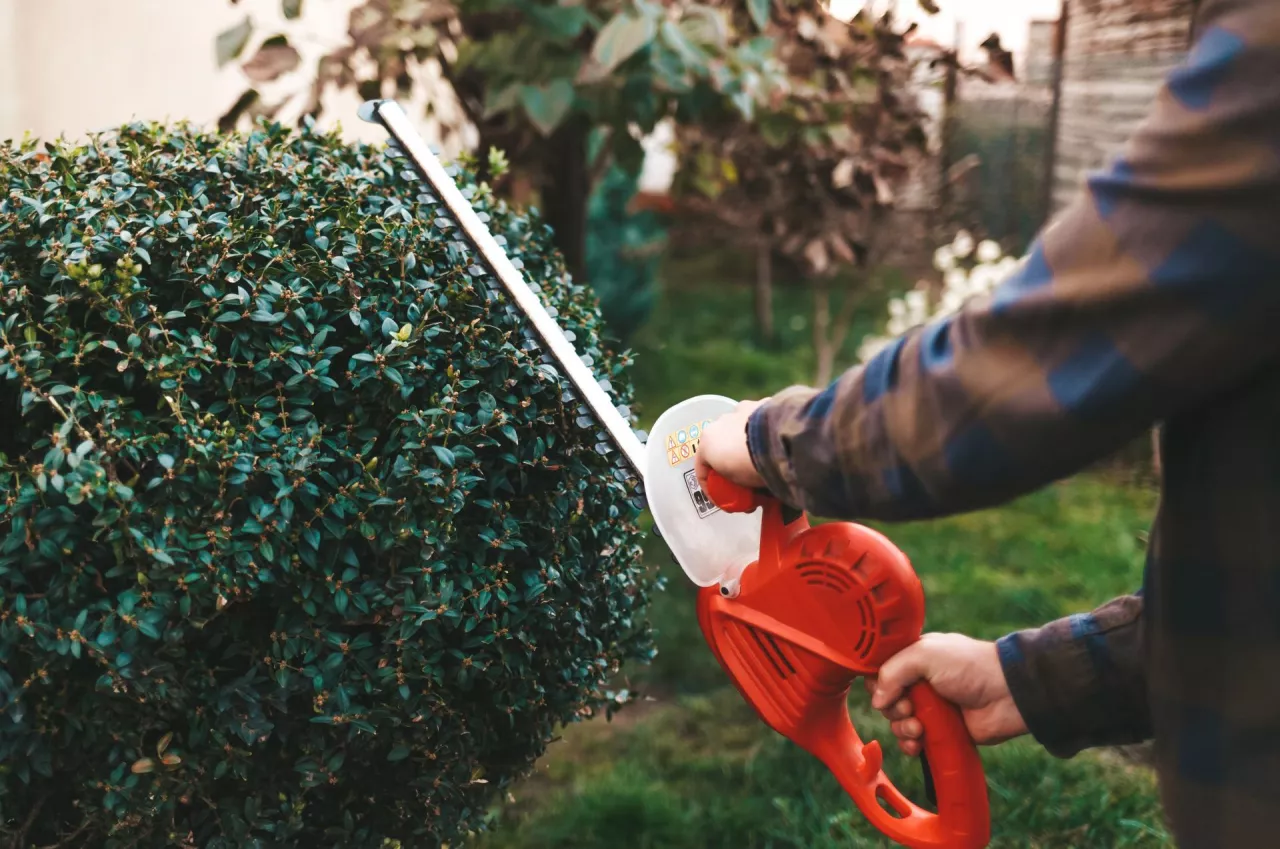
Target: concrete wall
pixel 1117 53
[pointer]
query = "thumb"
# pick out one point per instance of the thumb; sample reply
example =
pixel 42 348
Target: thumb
pixel 905 668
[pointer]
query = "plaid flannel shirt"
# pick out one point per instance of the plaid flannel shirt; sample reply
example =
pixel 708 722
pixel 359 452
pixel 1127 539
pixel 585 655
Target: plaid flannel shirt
pixel 1153 299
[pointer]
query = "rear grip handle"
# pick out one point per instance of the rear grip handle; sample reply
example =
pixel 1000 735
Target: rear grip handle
pixel 963 818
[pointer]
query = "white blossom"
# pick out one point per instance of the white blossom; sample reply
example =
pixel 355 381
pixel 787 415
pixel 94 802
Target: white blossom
pixel 988 251
pixel 952 300
pixel 984 278
pixel 990 267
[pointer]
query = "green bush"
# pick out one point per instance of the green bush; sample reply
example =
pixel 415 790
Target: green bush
pixel 300 544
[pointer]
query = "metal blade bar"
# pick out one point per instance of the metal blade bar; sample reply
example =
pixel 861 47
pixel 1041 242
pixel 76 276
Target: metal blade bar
pixel 392 117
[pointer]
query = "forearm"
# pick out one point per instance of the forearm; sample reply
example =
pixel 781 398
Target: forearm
pixel 1080 682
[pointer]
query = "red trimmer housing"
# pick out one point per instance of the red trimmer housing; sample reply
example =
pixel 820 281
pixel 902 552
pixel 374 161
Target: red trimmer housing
pixel 822 607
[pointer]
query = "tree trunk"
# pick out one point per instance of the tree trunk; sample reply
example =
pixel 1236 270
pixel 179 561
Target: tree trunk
pixel 822 344
pixel 566 193
pixel 764 293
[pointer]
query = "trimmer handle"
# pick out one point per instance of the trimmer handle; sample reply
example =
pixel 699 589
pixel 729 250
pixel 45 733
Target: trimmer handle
pixel 729 496
pixel 963 820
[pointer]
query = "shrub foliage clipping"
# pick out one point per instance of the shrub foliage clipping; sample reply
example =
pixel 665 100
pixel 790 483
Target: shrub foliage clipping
pixel 301 543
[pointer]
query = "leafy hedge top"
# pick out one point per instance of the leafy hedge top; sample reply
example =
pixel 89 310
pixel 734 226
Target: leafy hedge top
pixel 299 541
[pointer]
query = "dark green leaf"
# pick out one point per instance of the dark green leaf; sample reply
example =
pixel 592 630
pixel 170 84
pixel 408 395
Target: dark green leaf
pixel 547 105
pixel 624 36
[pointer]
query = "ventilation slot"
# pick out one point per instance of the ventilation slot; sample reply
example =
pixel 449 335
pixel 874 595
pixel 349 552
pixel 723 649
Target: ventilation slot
pixel 770 648
pixel 822 575
pixel 867 637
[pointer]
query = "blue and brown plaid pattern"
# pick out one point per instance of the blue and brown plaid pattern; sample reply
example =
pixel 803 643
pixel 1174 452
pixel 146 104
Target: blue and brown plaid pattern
pixel 1154 298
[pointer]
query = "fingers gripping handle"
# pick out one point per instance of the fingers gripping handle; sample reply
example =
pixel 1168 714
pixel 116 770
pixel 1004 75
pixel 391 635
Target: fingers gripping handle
pixel 963 820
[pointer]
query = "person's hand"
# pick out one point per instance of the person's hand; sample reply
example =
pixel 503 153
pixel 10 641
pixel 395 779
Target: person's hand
pixel 723 447
pixel 963 671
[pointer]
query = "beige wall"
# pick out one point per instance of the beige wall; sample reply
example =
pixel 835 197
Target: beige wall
pixel 69 67
pixel 74 66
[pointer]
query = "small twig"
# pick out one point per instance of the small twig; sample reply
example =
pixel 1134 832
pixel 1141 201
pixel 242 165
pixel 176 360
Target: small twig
pixel 21 836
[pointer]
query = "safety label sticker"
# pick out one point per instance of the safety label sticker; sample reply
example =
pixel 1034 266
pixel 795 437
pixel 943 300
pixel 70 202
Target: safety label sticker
pixel 701 503
pixel 682 444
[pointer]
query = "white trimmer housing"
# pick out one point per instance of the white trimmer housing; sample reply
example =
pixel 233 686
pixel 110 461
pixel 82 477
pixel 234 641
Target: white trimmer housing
pixel 711 546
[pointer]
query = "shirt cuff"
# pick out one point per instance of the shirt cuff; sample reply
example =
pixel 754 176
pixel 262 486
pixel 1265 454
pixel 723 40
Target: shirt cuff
pixel 770 451
pixel 1080 682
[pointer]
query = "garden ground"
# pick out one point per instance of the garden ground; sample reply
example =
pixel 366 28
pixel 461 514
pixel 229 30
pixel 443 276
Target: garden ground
pixel 691 766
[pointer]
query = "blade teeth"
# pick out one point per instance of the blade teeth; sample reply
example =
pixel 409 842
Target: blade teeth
pixel 567 396
pixel 624 411
pixel 640 503
pixel 427 199
pixel 410 176
pixel 604 449
pixel 643 436
pixel 570 335
pixel 605 385
pixel 584 421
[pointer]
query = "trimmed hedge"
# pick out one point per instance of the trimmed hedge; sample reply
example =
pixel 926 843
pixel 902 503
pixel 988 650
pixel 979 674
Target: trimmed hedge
pixel 300 543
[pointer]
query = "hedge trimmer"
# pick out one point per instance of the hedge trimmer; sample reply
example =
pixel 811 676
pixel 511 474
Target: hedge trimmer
pixel 793 613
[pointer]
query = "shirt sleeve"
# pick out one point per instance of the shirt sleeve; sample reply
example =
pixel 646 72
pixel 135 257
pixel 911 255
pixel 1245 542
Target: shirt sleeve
pixel 1080 682
pixel 1157 289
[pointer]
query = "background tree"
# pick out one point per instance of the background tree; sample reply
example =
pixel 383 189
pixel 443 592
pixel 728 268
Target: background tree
pixel 535 78
pixel 811 176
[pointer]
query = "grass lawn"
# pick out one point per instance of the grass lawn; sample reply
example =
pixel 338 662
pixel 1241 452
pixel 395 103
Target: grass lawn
pixel 691 766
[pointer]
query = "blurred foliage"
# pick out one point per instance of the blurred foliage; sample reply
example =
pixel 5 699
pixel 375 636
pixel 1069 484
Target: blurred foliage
pixel 300 542
pixel 812 175
pixel 624 252
pixel 813 168
pixel 1004 194
pixel 536 77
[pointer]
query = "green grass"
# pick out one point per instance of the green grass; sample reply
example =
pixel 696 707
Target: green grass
pixel 700 337
pixel 691 765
